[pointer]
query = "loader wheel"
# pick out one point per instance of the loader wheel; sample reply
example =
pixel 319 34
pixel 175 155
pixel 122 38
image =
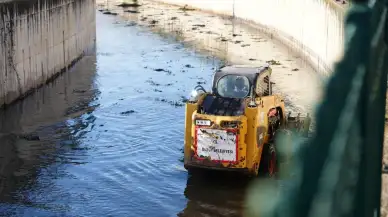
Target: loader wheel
pixel 268 164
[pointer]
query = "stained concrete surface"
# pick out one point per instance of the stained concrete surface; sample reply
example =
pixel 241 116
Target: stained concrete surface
pixel 41 39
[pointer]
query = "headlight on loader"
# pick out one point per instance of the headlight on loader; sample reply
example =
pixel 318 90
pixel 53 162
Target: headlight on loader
pixel 202 122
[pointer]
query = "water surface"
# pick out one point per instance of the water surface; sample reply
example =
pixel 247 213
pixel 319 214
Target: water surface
pixel 105 139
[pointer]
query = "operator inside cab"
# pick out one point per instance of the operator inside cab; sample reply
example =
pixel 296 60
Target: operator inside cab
pixel 233 86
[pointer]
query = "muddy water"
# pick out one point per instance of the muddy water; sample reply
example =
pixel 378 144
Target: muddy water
pixel 105 139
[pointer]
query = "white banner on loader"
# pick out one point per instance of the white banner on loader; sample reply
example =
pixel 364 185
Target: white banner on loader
pixel 219 145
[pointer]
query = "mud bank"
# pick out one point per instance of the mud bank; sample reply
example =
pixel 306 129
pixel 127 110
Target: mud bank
pixel 229 40
pixel 314 29
pixel 41 38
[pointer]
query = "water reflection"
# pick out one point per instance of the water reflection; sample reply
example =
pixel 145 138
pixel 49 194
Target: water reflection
pixel 215 193
pixel 37 138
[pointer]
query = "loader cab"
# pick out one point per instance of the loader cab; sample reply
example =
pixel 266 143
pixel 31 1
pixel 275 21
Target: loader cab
pixel 242 81
pixel 232 85
pixel 234 126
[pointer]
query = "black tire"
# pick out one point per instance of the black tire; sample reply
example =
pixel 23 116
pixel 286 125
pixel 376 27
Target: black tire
pixel 189 169
pixel 268 164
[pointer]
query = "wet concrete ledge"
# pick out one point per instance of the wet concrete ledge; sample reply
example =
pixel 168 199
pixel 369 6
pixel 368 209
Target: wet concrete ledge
pixel 40 40
pixel 314 31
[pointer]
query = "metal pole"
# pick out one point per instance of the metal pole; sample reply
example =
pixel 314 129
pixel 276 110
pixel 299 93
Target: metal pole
pixel 233 9
pixel 233 19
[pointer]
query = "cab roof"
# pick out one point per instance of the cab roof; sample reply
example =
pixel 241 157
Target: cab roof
pixel 251 72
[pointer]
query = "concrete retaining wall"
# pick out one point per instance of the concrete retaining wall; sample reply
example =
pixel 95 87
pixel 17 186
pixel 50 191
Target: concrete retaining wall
pixel 313 28
pixel 39 39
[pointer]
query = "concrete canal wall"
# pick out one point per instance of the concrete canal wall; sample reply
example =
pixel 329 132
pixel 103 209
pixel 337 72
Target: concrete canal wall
pixel 313 28
pixel 39 39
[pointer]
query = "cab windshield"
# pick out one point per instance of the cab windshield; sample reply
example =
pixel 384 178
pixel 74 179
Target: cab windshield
pixel 233 86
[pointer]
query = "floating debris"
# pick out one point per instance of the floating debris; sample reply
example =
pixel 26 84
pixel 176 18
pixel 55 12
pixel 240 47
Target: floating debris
pixel 110 13
pixel 234 35
pixel 152 83
pixel 273 62
pixel 199 25
pixel 79 91
pixel 29 137
pixel 174 18
pixel 184 99
pixel 237 42
pixel 245 45
pixel 132 11
pixel 153 22
pixel 176 104
pixel 189 66
pixel 186 8
pixel 163 70
pixel 127 112
pixel 294 70
pixel 251 59
pixel 125 5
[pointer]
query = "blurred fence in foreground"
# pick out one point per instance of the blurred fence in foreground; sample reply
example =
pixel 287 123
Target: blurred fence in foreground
pixel 338 171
